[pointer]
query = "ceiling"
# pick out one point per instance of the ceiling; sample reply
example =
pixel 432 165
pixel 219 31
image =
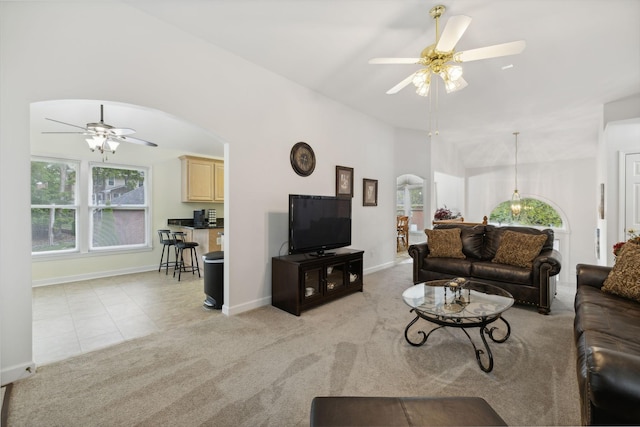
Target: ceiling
pixel 580 55
pixel 172 134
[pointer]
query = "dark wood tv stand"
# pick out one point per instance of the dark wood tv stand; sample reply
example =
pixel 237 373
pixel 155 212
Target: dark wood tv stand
pixel 303 281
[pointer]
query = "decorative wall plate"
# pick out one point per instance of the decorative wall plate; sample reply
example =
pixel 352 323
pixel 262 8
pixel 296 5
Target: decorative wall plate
pixel 303 159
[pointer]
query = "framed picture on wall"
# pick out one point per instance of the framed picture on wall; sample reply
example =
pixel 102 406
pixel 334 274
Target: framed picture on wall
pixel 369 192
pixel 344 181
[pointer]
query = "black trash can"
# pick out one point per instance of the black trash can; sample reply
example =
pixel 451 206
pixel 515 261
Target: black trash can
pixel 213 279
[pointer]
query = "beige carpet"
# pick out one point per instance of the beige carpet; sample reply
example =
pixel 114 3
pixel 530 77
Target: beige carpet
pixel 264 367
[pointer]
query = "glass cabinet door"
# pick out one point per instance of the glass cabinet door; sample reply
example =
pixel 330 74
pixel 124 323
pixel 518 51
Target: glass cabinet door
pixel 335 278
pixel 311 283
pixel 354 272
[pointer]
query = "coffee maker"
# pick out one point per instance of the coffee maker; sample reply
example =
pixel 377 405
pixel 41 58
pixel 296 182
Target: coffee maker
pixel 200 219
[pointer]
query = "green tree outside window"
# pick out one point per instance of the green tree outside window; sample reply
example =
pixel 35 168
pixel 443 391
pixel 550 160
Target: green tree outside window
pixel 534 213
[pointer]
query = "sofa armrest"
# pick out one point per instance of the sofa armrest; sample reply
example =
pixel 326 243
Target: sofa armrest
pixel 552 258
pixel 591 275
pixel 418 252
pixel 614 381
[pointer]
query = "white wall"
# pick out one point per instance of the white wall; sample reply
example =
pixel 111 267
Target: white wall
pixel 618 138
pixel 53 51
pixel 413 156
pixel 569 186
pixel 449 192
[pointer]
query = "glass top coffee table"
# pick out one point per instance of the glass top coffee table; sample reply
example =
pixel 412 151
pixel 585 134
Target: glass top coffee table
pixel 464 304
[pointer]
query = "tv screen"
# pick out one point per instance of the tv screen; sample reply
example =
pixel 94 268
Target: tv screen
pixel 318 223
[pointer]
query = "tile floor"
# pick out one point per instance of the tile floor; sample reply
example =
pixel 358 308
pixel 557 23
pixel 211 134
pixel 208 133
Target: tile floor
pixel 74 318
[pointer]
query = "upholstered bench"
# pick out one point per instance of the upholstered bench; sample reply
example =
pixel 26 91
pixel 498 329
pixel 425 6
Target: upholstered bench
pixel 402 411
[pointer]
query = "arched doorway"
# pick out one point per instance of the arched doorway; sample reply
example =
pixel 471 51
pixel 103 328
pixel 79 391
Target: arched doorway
pixel 410 196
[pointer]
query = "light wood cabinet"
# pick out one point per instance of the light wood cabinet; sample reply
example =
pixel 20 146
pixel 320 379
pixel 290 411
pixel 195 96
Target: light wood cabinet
pixel 218 181
pixel 199 179
pixel 208 240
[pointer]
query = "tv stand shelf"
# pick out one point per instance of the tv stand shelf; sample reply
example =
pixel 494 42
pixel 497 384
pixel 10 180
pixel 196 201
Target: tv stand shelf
pixel 302 281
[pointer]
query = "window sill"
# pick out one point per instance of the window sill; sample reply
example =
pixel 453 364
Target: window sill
pixel 44 257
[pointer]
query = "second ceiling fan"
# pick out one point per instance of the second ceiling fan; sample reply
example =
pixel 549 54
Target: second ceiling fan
pixel 441 58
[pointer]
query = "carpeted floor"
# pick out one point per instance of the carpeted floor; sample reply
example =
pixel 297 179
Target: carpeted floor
pixel 264 367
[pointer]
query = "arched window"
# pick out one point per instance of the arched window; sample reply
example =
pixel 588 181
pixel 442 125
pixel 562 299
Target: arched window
pixel 535 213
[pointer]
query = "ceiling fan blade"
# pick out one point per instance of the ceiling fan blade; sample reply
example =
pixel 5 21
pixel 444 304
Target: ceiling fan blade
pixel 67 133
pixel 122 131
pixel 133 140
pixel 453 31
pixel 397 88
pixel 68 124
pixel 504 49
pixel 394 61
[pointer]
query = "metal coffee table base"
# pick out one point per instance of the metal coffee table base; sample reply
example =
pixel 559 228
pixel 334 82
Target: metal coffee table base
pixel 481 323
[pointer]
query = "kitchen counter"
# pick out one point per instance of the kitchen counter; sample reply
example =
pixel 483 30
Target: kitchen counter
pixel 209 239
pixel 188 223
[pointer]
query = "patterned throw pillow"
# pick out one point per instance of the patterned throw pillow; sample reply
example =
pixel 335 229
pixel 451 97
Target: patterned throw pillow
pixel 444 243
pixel 624 278
pixel 519 249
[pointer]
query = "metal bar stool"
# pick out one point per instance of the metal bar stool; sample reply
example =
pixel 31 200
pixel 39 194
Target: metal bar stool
pixel 168 242
pixel 181 244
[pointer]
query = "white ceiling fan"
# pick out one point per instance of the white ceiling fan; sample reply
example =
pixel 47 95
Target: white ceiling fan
pixel 441 58
pixel 104 137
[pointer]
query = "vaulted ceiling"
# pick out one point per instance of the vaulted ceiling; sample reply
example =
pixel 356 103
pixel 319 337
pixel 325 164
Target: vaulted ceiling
pixel 580 55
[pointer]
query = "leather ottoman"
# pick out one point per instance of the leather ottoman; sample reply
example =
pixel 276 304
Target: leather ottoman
pixel 402 411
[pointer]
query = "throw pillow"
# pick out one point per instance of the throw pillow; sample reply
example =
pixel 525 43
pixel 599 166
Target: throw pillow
pixel 624 278
pixel 444 243
pixel 519 249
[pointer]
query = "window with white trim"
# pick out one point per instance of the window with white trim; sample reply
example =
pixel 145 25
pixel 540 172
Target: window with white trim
pixel 54 205
pixel 110 213
pixel 118 207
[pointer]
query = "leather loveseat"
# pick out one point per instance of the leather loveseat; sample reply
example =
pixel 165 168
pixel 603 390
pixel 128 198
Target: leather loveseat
pixel 607 336
pixel 534 284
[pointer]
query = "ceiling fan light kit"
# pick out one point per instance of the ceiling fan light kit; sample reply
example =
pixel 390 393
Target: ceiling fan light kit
pixel 104 137
pixel 102 144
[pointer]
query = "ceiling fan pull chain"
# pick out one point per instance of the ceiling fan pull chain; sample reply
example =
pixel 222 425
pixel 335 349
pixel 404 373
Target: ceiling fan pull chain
pixel 430 116
pixel 437 103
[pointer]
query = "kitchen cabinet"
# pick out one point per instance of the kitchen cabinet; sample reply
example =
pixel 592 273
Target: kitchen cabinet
pixel 202 179
pixel 218 181
pixel 208 240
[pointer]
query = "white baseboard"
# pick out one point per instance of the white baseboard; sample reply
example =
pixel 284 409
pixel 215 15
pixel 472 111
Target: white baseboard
pixel 18 372
pixel 90 276
pixel 378 267
pixel 247 306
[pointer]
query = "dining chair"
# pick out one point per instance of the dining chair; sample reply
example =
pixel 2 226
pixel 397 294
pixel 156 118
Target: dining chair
pixel 402 228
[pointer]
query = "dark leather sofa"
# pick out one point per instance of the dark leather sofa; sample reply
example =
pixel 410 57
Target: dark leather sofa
pixel 607 337
pixel 535 286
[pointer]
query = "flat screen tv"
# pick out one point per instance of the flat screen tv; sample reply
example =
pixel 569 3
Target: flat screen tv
pixel 318 224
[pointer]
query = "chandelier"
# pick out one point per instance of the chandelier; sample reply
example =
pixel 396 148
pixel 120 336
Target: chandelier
pixel 516 204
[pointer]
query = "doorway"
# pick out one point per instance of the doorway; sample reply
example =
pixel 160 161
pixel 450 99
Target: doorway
pixel 410 196
pixel 631 194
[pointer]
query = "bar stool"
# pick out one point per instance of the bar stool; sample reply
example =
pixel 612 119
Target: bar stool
pixel 168 242
pixel 181 244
